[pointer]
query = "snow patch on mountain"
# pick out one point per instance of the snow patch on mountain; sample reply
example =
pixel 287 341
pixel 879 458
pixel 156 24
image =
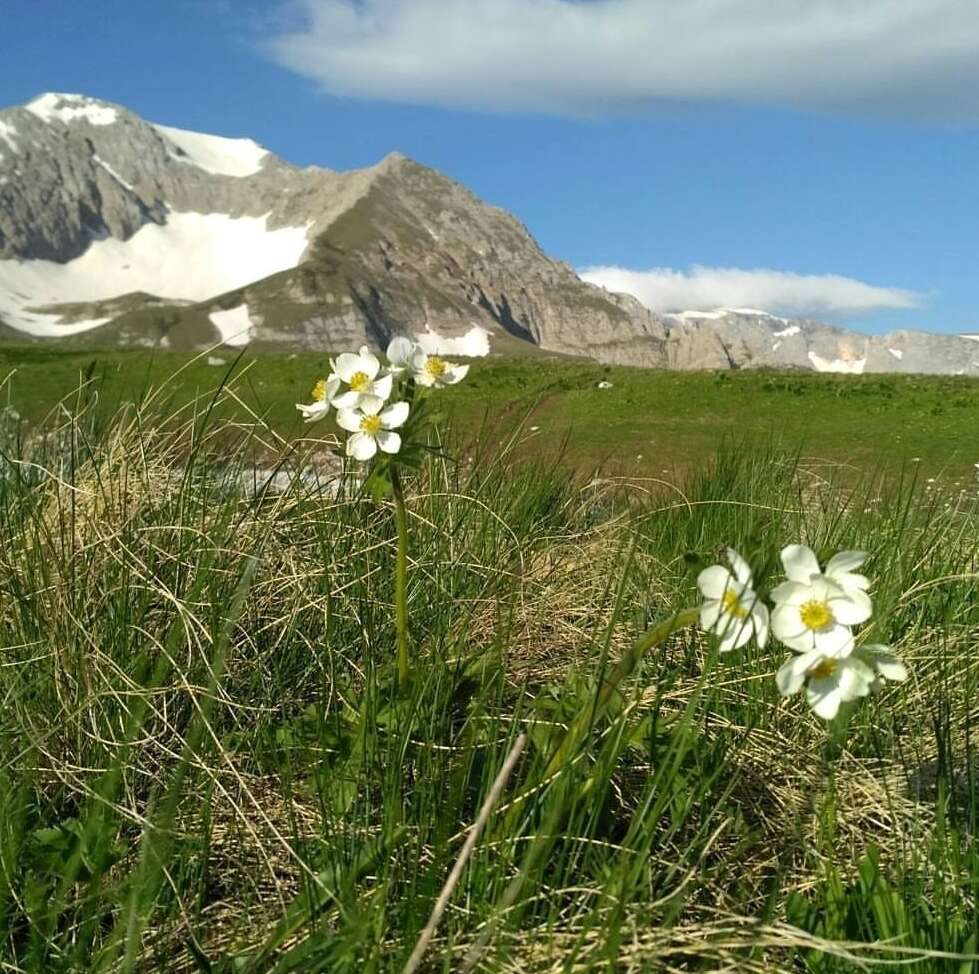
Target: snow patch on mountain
pixel 787 332
pixel 474 344
pixel 193 256
pixel 897 353
pixel 696 315
pixel 7 133
pixel 122 182
pixel 848 366
pixel 213 153
pixel 972 338
pixel 234 324
pixel 12 313
pixel 55 106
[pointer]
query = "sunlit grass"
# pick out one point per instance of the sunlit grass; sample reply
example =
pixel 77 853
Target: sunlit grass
pixel 204 767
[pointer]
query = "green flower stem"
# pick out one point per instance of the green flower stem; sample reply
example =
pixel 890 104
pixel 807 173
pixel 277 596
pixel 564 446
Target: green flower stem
pixel 622 670
pixel 401 577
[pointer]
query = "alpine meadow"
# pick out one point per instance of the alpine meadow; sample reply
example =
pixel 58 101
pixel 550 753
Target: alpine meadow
pixel 392 586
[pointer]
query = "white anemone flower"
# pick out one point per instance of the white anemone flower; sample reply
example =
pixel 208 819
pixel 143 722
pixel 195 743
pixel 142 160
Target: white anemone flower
pixel 731 609
pixel 814 611
pixel 433 372
pixel 429 370
pixel 322 394
pixel 829 680
pixel 365 387
pixel 371 428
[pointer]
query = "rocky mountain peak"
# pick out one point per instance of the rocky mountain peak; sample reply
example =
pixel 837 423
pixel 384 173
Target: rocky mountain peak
pixel 116 229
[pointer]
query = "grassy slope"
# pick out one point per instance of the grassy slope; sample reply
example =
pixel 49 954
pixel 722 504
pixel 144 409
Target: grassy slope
pixel 203 767
pixel 668 419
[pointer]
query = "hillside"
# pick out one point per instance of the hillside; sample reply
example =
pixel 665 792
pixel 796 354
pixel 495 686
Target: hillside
pixel 114 230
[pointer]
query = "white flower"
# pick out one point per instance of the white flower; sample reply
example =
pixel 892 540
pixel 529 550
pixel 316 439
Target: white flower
pixel 427 370
pixel 731 609
pixel 814 611
pixel 830 680
pixel 399 353
pixel 371 428
pixel 434 372
pixel 360 372
pixel 323 392
pixel 885 665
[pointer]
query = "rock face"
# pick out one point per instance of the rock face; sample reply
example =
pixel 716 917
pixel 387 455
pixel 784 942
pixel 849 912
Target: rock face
pixel 115 230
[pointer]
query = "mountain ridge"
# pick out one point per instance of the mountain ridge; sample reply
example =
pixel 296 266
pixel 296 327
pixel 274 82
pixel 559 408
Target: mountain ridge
pixel 115 229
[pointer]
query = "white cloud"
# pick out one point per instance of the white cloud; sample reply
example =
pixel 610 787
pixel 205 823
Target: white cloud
pixel 572 57
pixel 706 288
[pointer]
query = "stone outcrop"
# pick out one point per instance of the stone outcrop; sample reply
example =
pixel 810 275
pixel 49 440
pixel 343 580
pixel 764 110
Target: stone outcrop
pixel 394 248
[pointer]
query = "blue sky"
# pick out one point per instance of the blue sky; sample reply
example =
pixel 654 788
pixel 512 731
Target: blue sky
pixel 785 154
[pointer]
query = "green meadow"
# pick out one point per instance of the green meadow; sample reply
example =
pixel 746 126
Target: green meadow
pixel 650 423
pixel 210 765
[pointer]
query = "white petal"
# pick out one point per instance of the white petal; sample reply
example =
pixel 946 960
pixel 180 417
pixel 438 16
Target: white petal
pixel 791 593
pixel 454 374
pixel 399 350
pixel 849 611
pixel 713 581
pixel 849 581
pixel 823 695
pixel 884 662
pixel 742 571
pixel 360 446
pixel 395 415
pixel 349 420
pixel 792 673
pixel 710 612
pixel 845 561
pixel 800 563
pixel 369 404
pixel 347 400
pixel 735 634
pixel 347 365
pixel 855 679
pixel 382 386
pixel 313 411
pixel 333 383
pixel 823 589
pixel 423 378
pixel 787 627
pixel 891 668
pixel 759 615
pixel 389 442
pixel 861 598
pixel 834 640
pixel 369 362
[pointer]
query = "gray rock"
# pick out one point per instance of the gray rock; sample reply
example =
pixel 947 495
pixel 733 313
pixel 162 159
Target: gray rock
pixel 394 248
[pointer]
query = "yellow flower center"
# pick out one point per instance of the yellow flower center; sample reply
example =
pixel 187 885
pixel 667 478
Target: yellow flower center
pixel 815 614
pixel 319 391
pixel 824 669
pixel 370 424
pixel 359 381
pixel 732 605
pixel 435 366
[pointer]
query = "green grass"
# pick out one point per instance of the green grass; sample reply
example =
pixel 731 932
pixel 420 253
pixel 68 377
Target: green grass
pixel 206 766
pixel 650 423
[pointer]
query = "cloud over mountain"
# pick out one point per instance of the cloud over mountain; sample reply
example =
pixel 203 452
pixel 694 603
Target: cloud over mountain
pixel 705 288
pixel 897 58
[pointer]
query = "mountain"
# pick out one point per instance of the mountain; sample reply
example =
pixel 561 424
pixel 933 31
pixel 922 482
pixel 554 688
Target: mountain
pixel 116 230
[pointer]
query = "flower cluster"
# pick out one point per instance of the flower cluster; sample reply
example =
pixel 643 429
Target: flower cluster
pixel 814 613
pixel 361 389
